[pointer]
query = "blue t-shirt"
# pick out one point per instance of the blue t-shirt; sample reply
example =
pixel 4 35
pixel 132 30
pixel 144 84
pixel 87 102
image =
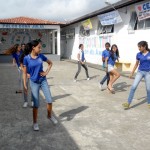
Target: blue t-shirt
pixel 16 56
pixel 111 60
pixel 104 55
pixel 34 66
pixel 144 61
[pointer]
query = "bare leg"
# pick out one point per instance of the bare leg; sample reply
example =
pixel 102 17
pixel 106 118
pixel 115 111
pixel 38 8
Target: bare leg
pixel 115 75
pixel 35 113
pixel 49 110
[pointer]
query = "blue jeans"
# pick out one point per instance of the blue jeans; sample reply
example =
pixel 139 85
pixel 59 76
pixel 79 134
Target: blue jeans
pixel 20 78
pixel 35 89
pixel 106 77
pixel 138 78
pixel 25 96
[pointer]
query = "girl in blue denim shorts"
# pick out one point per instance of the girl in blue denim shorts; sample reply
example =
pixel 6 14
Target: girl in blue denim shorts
pixel 143 64
pixel 33 64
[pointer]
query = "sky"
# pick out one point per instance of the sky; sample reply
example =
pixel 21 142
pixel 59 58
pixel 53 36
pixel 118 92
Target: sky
pixel 54 10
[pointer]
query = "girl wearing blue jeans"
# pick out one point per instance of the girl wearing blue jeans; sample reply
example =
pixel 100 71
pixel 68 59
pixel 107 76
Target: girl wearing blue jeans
pixel 143 64
pixel 33 62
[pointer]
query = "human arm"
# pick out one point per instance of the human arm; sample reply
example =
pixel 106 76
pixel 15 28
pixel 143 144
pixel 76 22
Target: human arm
pixel 44 73
pixel 14 62
pixel 25 79
pixel 134 68
pixel 106 64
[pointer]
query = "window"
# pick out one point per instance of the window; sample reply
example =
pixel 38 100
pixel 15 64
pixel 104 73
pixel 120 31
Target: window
pixel 140 24
pixel 133 21
pixel 70 33
pixel 147 23
pixel 105 29
pixel 63 35
pixel 136 24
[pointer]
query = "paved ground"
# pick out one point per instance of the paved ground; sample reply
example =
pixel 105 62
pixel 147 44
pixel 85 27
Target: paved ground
pixel 89 119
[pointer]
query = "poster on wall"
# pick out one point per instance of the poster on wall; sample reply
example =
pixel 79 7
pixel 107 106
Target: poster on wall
pixel 143 11
pixel 9 37
pixel 110 18
pixel 94 45
pixel 87 25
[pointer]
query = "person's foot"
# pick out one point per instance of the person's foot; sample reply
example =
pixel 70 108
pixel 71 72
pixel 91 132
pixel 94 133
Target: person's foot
pixel 75 80
pixel 88 79
pixel 101 87
pixel 25 104
pixel 111 90
pixel 35 127
pixel 53 119
pixel 19 91
pixel 126 105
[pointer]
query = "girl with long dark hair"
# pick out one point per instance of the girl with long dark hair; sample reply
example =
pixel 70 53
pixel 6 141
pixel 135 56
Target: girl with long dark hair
pixel 143 65
pixel 110 62
pixel 16 52
pixel 33 64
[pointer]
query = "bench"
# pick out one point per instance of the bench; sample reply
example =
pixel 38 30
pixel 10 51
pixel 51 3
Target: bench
pixel 123 66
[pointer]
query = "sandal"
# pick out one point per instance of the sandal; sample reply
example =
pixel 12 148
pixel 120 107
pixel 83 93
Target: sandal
pixel 111 91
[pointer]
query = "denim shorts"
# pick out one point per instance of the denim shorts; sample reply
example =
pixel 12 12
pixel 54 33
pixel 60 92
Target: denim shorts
pixel 35 88
pixel 110 68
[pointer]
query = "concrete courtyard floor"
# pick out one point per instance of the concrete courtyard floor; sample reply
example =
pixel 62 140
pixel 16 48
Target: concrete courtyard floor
pixel 89 119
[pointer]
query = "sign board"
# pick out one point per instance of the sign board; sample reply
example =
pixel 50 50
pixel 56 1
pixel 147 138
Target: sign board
pixel 143 11
pixel 110 18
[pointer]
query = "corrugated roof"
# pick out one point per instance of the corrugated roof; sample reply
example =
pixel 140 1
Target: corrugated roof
pixel 27 20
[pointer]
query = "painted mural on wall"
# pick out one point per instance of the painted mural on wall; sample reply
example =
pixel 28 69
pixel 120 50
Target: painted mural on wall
pixel 94 45
pixel 9 37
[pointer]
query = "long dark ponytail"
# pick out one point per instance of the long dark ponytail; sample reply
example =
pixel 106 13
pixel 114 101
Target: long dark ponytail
pixel 13 49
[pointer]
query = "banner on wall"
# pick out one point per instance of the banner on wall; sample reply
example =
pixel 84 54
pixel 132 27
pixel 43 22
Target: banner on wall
pixel 110 18
pixel 143 11
pixel 87 24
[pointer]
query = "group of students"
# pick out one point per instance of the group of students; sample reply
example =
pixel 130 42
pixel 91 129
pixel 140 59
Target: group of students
pixel 109 57
pixel 29 63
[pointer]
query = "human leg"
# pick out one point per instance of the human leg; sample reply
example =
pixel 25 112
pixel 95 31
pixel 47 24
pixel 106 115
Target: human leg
pixel 79 69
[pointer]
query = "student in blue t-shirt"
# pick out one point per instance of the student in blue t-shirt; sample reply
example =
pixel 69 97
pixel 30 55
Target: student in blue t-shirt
pixel 26 51
pixel 16 52
pixel 81 62
pixel 143 64
pixel 110 60
pixel 104 55
pixel 33 64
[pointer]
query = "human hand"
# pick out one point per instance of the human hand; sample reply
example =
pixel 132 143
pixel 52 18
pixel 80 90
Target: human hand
pixel 28 76
pixel 131 76
pixel 43 74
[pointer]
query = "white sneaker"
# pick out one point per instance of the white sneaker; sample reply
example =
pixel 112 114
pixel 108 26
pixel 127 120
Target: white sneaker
pixel 32 104
pixel 75 80
pixel 88 78
pixel 35 127
pixel 101 87
pixel 53 119
pixel 25 104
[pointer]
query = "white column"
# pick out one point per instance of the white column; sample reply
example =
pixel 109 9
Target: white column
pixel 58 41
pixel 53 38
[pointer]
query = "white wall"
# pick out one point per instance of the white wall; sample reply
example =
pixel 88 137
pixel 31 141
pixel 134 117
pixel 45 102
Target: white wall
pixel 94 44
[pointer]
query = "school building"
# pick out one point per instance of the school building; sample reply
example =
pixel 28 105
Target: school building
pixel 24 29
pixel 124 23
